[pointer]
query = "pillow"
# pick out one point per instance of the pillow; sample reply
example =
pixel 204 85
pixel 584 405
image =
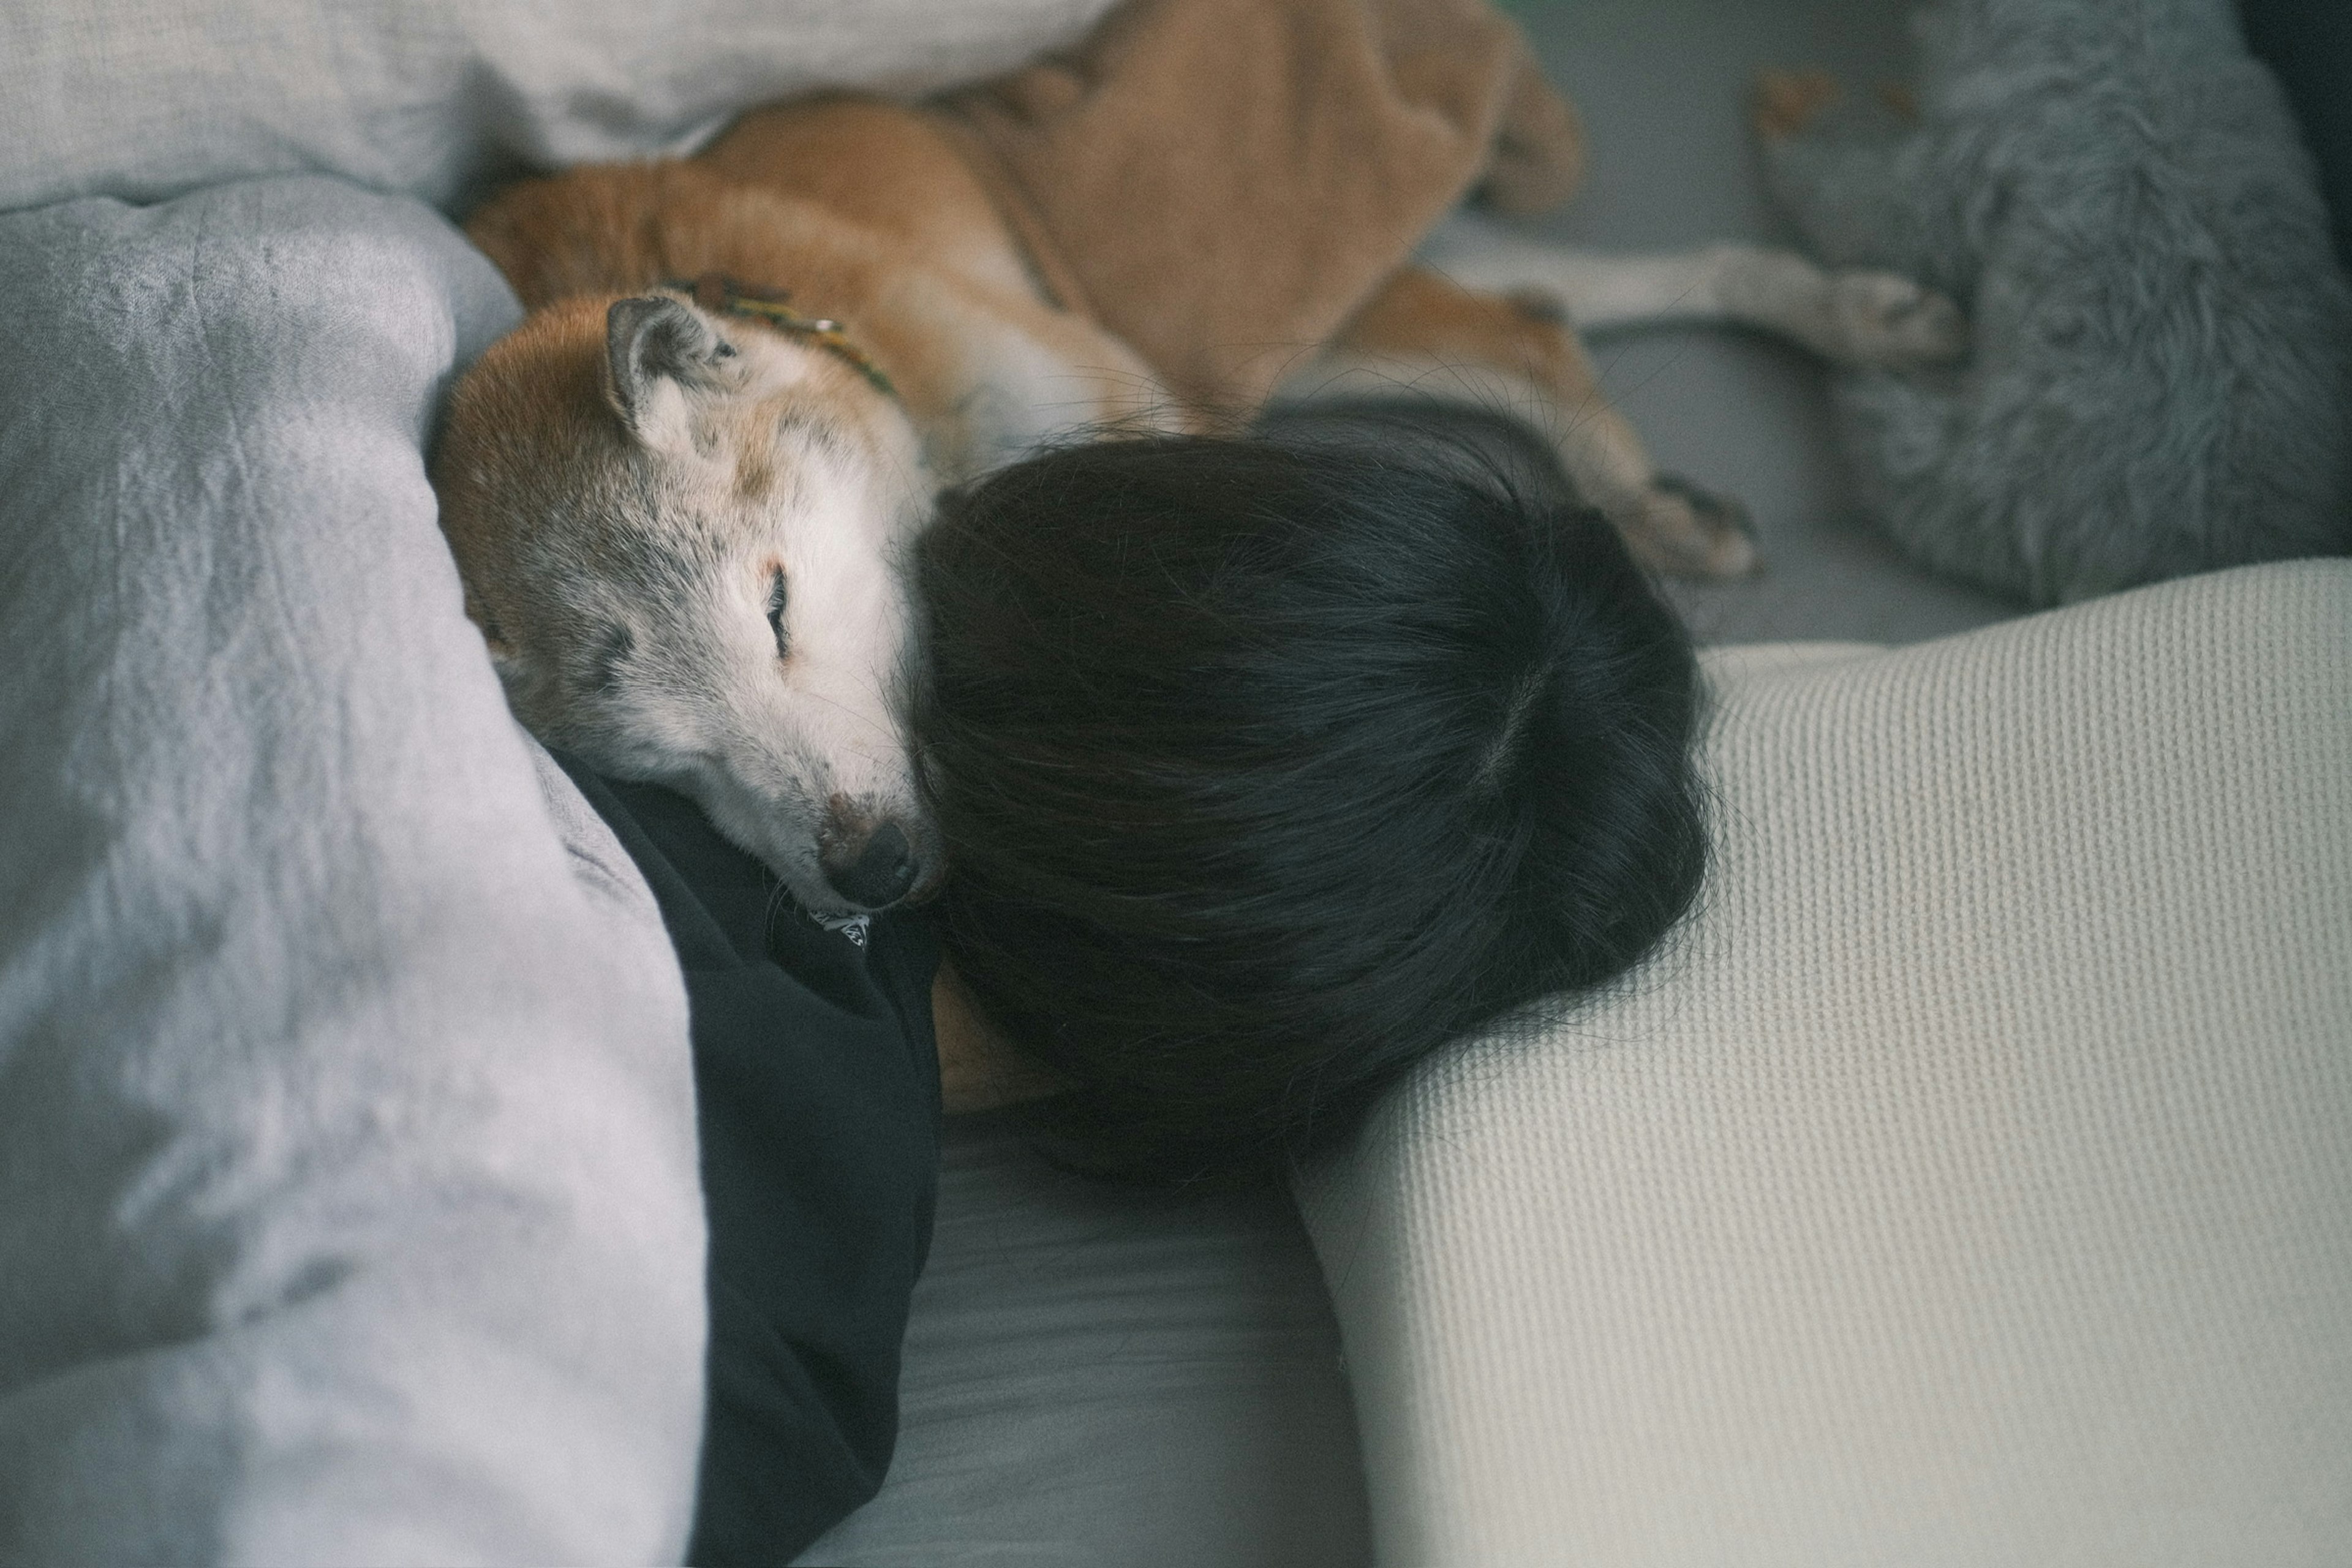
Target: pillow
pixel 436 98
pixel 349 1208
pixel 1971 1186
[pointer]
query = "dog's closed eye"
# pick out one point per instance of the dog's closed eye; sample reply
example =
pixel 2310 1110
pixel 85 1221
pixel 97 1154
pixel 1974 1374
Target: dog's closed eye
pixel 604 670
pixel 776 613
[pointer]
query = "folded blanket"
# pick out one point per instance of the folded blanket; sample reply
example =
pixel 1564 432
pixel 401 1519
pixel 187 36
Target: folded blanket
pixel 1293 154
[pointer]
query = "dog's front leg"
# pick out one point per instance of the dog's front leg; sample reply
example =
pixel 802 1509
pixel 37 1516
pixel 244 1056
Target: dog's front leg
pixel 1861 318
pixel 1423 337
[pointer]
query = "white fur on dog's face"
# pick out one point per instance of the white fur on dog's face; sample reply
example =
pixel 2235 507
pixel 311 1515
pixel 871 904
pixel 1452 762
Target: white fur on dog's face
pixel 730 485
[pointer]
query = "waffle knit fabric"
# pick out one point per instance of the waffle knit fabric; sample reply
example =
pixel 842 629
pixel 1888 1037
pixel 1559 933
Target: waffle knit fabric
pixel 1972 1185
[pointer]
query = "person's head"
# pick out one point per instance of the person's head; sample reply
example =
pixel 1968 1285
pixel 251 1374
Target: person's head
pixel 1265 769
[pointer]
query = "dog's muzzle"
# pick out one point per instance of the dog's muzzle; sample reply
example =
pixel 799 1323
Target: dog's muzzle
pixel 874 871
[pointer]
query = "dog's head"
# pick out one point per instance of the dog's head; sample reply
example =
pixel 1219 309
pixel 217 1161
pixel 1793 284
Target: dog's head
pixel 685 540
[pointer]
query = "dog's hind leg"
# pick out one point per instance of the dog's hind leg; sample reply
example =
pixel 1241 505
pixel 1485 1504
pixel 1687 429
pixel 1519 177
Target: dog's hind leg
pixel 1864 319
pixel 1424 338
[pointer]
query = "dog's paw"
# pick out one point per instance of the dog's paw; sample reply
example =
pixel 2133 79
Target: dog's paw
pixel 1882 321
pixel 1676 527
pixel 1787 101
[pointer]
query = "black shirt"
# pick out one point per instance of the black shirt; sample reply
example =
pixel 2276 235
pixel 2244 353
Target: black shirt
pixel 817 1094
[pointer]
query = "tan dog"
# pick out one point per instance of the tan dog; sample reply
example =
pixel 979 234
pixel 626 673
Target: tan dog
pixel 684 532
pixel 682 494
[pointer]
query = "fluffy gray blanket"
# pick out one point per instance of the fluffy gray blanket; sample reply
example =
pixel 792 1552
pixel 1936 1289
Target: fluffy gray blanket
pixel 2162 369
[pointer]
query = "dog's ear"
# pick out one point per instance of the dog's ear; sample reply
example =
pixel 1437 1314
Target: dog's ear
pixel 502 653
pixel 656 351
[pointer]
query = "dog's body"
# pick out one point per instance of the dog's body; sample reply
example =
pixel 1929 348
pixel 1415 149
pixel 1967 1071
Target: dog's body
pixel 735 619
pixel 683 526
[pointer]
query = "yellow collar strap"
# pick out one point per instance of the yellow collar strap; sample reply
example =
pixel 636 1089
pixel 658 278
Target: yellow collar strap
pixel 716 291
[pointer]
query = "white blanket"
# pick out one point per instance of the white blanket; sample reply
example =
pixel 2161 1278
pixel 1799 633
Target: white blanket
pixel 348 1197
pixel 149 99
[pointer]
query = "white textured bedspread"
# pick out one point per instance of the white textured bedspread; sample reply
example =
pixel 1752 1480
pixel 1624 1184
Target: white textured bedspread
pixel 1971 1184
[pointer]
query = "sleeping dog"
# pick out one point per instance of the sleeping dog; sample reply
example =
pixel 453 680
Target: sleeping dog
pixel 681 495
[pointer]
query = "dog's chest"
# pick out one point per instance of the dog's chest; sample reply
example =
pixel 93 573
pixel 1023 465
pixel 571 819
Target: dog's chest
pixel 1013 393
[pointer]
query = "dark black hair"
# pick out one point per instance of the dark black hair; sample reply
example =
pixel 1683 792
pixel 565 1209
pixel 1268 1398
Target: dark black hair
pixel 1264 769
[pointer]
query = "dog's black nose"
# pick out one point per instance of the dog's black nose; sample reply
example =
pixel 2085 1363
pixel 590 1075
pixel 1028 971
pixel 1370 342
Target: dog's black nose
pixel 882 871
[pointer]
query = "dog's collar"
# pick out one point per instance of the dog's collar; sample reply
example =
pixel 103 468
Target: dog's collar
pixel 716 291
